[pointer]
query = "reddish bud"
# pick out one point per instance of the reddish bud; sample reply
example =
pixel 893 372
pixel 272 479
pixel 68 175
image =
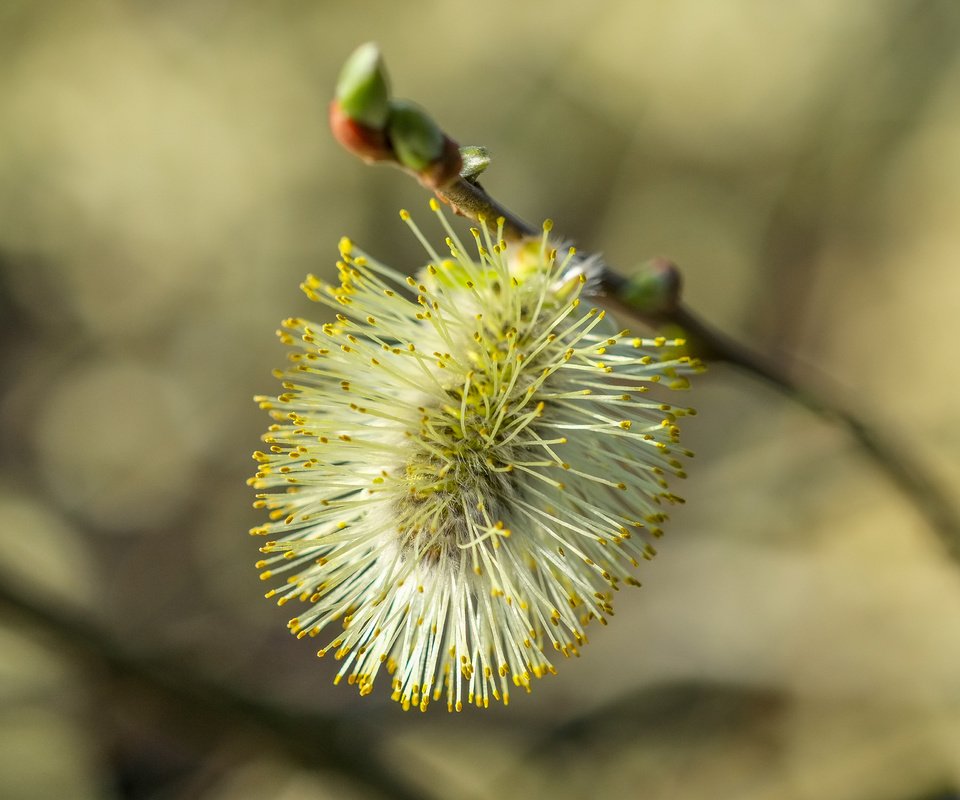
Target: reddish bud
pixel 368 143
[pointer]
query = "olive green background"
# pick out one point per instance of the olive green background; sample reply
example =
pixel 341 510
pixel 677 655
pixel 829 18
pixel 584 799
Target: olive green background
pixel 166 180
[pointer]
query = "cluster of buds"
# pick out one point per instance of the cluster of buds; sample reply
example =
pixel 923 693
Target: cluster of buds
pixel 371 124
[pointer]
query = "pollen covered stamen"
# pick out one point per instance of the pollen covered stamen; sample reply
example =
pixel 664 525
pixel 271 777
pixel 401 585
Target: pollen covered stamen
pixel 463 466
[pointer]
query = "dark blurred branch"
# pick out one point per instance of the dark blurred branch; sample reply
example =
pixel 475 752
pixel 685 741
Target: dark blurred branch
pixel 695 721
pixel 198 703
pixel 683 711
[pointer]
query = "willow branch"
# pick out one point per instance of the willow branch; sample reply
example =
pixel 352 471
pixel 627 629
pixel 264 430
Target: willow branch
pixel 469 199
pixel 370 124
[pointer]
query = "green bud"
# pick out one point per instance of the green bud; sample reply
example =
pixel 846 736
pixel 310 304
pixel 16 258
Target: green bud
pixel 654 288
pixel 416 139
pixel 362 89
pixel 475 160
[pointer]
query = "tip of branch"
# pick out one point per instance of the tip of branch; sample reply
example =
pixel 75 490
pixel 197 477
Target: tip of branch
pixel 367 122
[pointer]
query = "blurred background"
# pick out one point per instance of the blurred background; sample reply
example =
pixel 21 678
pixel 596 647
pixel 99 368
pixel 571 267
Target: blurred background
pixel 167 179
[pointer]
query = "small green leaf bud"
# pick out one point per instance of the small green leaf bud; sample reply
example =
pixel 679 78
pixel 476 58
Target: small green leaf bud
pixel 475 160
pixel 363 92
pixel 416 139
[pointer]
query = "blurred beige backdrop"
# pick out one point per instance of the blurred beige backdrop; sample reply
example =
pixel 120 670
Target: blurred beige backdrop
pixel 166 180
